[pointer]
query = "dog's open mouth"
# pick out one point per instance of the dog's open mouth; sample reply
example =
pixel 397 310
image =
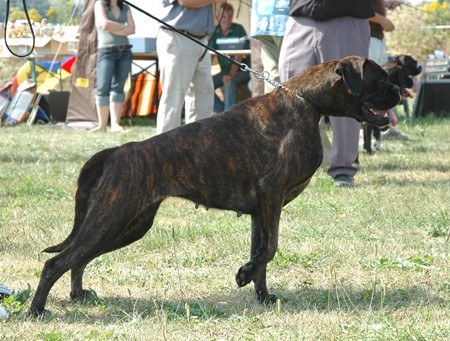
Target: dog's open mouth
pixel 408 91
pixel 379 117
pixel 405 93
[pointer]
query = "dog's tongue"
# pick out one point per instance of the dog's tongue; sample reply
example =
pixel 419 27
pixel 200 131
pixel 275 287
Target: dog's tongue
pixel 389 113
pixel 392 117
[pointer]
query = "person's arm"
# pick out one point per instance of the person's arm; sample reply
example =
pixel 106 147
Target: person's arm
pixel 392 4
pixel 113 26
pixel 234 69
pixel 385 23
pixel 124 29
pixel 238 58
pixel 198 3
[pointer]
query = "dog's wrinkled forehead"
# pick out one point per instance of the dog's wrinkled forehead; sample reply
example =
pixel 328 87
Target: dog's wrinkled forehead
pixel 361 73
pixel 410 64
pixel 374 72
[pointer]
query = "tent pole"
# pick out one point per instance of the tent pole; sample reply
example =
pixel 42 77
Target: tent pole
pixel 33 69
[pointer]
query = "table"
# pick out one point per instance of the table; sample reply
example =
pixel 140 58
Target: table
pixel 153 56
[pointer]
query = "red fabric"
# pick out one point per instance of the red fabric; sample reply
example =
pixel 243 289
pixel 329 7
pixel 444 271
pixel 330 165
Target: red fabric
pixel 15 85
pixel 67 65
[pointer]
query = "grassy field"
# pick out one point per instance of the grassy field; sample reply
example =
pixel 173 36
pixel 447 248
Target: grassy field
pixel 365 263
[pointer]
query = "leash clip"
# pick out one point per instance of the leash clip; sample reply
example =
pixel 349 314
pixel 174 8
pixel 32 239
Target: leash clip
pixel 264 75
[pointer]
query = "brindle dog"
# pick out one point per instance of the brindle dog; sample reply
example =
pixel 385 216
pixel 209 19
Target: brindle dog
pixel 253 159
pixel 401 70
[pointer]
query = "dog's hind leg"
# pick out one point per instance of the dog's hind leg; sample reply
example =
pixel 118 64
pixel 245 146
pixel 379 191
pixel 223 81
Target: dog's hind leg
pixel 264 243
pixel 83 248
pixel 87 180
pixel 134 231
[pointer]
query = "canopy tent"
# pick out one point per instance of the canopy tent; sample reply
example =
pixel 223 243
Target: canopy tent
pixel 81 106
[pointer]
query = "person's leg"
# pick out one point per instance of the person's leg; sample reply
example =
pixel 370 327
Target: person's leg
pixel 105 70
pixel 298 53
pixel 231 89
pixel 326 143
pixel 200 98
pixel 218 82
pixel 342 37
pixel 122 71
pixel 377 51
pixel 344 147
pixel 102 117
pixel 115 112
pixel 270 55
pixel 297 50
pixel 178 58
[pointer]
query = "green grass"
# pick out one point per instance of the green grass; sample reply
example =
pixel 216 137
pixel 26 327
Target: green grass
pixel 366 263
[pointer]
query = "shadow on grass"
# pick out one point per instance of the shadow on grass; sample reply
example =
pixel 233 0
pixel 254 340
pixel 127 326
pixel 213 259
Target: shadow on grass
pixel 341 299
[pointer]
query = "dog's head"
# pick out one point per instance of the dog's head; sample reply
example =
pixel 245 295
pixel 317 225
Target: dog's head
pixel 400 77
pixel 354 87
pixel 373 94
pixel 409 64
pixel 402 71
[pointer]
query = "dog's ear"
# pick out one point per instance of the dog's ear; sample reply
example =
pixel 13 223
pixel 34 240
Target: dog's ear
pixel 394 75
pixel 401 59
pixel 352 75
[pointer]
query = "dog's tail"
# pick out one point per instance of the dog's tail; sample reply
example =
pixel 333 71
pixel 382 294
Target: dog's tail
pixel 88 178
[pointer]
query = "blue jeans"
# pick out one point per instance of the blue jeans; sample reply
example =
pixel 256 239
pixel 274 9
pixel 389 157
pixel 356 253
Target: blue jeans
pixel 230 90
pixel 113 67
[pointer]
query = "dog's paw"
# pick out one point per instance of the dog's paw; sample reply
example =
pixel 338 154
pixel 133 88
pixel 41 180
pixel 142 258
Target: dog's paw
pixel 245 274
pixel 266 298
pixel 37 313
pixel 85 296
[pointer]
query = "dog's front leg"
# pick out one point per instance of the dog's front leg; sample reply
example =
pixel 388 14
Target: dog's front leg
pixel 264 244
pixel 367 134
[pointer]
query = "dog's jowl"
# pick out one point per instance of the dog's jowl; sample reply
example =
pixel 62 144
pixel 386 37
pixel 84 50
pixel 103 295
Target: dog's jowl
pixel 254 159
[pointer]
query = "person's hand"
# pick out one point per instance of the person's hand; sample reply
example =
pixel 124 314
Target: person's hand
pixel 392 4
pixel 387 25
pixel 227 79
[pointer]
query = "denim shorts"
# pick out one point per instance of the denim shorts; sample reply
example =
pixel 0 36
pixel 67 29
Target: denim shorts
pixel 113 67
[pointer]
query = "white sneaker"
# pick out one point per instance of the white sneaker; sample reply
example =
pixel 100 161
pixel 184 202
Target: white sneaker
pixel 393 134
pixel 5 291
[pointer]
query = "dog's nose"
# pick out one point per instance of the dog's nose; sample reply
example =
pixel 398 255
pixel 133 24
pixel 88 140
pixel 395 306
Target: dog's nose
pixel 395 88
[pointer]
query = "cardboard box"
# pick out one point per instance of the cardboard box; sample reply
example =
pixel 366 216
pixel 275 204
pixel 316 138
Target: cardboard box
pixel 18 109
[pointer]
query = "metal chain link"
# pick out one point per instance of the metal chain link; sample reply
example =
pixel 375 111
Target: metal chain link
pixel 265 76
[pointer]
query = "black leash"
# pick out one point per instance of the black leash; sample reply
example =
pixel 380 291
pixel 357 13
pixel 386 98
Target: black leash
pixel 263 75
pixel 242 66
pixel 29 24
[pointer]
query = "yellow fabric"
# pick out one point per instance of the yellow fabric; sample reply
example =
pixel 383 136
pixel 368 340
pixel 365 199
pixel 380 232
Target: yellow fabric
pixel 46 80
